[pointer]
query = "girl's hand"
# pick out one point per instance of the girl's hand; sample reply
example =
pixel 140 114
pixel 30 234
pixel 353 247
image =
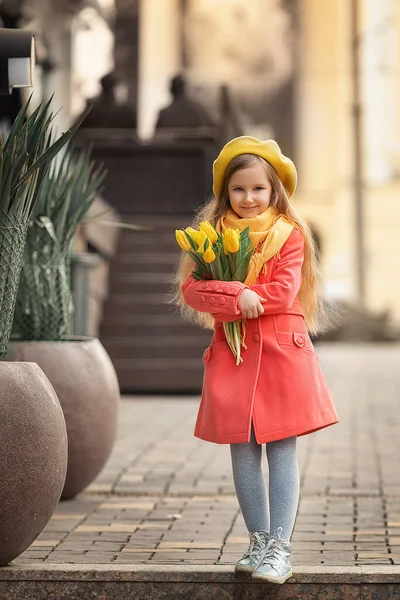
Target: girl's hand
pixel 250 304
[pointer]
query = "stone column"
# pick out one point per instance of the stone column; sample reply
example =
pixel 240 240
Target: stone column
pixel 324 137
pixel 380 59
pixel 59 80
pixel 159 58
pixel 378 45
pixel 126 46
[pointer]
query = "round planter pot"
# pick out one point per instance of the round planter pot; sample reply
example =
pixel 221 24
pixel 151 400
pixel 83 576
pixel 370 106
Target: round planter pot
pixel 33 459
pixel 86 384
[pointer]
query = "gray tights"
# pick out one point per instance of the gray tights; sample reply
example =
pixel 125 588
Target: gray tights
pixel 280 511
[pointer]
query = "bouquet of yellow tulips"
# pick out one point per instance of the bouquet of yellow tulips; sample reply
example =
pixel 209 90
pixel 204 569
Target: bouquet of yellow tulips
pixel 224 256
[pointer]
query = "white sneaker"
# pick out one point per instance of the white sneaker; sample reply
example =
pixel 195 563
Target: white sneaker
pixel 274 565
pixel 250 559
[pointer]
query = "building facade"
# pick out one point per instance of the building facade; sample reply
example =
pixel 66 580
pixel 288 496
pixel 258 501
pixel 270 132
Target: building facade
pixel 290 66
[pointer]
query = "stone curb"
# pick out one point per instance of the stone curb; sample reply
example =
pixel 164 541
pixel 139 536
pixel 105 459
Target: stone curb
pixel 194 573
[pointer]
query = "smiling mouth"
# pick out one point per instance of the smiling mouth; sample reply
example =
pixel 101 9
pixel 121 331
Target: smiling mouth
pixel 248 207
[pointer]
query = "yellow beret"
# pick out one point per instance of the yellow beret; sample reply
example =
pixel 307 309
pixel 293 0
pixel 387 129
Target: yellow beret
pixel 267 149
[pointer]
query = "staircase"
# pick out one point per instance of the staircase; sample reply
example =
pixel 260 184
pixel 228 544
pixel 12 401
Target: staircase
pixel 153 349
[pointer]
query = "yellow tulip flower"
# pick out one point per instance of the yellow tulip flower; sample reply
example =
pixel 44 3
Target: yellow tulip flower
pixel 209 255
pixel 231 240
pixel 200 239
pixel 209 231
pixel 182 240
pixel 190 231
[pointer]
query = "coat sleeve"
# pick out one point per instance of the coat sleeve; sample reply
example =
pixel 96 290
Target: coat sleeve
pixel 214 297
pixel 281 292
pixel 220 298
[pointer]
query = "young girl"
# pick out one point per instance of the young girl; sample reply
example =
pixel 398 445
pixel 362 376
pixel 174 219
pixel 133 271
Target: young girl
pixel 278 392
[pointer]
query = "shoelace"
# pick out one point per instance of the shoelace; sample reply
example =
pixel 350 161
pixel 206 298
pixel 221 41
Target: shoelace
pixel 274 549
pixel 256 543
pixel 275 552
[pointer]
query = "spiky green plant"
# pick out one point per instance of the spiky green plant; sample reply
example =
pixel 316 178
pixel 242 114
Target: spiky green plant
pixel 44 307
pixel 25 157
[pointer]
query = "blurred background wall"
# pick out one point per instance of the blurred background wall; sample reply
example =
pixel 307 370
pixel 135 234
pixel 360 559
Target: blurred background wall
pixel 321 77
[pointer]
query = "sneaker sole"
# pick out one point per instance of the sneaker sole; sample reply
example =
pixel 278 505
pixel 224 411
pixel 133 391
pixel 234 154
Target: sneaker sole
pixel 270 579
pixel 244 569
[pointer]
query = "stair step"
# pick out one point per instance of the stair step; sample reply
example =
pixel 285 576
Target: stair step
pixel 124 330
pixel 131 283
pixel 172 375
pixel 172 318
pixel 152 247
pixel 158 222
pixel 139 299
pixel 170 258
pixel 143 267
pixel 145 311
pixel 157 340
pixel 141 249
pixel 118 324
pixel 143 283
pixel 148 239
pixel 155 347
pixel 160 381
pixel 139 304
pixel 147 364
pixel 151 345
pixel 129 288
pixel 142 278
pixel 182 581
pixel 166 227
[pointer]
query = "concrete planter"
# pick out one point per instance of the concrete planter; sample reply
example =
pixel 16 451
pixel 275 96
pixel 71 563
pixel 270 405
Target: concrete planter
pixel 86 384
pixel 33 459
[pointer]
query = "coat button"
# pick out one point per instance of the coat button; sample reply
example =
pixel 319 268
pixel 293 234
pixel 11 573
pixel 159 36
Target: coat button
pixel 202 298
pixel 222 300
pixel 256 338
pixel 212 300
pixel 299 339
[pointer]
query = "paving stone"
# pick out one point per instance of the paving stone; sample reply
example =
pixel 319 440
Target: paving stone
pixel 166 497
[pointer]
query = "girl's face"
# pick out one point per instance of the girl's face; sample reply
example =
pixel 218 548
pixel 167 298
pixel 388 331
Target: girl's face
pixel 250 191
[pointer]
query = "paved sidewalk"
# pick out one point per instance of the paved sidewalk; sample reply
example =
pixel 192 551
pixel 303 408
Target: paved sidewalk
pixel 166 497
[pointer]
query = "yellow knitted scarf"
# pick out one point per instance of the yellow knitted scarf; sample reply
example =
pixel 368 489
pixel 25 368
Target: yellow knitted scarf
pixel 270 230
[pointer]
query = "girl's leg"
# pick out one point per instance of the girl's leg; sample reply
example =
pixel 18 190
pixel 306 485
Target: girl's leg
pixel 250 484
pixel 283 485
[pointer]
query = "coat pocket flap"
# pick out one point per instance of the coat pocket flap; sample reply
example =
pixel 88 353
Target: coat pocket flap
pixel 214 349
pixel 301 340
pixel 206 354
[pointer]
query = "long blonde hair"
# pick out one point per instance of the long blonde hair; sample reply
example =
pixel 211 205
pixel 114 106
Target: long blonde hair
pixel 310 295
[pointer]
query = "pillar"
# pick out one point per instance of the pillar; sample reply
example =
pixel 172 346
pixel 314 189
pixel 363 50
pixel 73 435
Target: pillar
pixel 159 58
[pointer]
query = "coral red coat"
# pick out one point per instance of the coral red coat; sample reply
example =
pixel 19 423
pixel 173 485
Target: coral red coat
pixel 279 385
